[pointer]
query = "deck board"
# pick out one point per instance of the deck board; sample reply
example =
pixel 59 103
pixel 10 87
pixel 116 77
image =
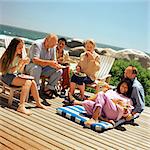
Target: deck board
pixel 44 129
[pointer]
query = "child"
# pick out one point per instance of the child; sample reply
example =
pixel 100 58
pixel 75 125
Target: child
pixel 88 65
pixel 12 65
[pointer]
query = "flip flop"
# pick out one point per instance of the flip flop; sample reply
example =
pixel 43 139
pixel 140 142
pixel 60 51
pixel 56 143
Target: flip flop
pixel 48 93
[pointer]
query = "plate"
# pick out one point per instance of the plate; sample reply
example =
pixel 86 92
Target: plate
pixel 23 76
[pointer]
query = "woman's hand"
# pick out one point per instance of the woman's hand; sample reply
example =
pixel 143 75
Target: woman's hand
pixel 24 61
pixel 129 117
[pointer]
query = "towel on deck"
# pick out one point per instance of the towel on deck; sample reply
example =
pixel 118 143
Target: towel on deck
pixel 75 113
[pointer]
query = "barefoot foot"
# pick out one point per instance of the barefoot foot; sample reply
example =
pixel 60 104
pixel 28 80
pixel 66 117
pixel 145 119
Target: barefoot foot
pixel 90 121
pixel 41 106
pixel 23 110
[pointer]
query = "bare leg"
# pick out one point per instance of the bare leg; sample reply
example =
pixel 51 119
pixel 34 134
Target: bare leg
pixel 35 94
pixel 94 118
pixel 26 84
pixel 76 102
pixel 72 87
pixel 81 88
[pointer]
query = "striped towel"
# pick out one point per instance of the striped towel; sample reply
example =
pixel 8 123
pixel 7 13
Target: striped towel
pixel 78 114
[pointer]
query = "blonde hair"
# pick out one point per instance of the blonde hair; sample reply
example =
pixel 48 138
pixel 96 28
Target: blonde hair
pixel 90 41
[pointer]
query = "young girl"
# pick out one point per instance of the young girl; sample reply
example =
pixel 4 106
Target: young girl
pixel 12 65
pixel 110 106
pixel 89 64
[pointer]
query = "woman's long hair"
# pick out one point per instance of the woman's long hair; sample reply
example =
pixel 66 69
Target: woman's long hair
pixel 9 54
pixel 129 84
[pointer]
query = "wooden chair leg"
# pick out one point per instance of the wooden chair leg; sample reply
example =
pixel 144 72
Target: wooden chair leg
pixel 10 100
pixel 3 89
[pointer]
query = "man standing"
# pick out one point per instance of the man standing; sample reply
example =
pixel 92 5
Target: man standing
pixel 137 93
pixel 43 63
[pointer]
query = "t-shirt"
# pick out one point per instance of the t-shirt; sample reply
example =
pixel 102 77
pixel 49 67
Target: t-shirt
pixel 37 50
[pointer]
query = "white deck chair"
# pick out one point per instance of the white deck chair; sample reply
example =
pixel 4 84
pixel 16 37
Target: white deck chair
pixel 103 75
pixel 106 63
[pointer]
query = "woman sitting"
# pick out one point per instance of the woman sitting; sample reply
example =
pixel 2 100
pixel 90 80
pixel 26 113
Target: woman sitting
pixel 63 58
pixel 12 65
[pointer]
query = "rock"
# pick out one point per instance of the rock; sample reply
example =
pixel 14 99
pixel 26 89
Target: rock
pixel 76 51
pixel 131 54
pixel 71 43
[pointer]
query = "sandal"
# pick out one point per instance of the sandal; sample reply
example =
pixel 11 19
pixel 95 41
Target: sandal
pixel 68 102
pixel 49 93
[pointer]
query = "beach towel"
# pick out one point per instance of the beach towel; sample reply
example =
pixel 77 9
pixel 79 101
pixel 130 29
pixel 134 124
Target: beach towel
pixel 78 114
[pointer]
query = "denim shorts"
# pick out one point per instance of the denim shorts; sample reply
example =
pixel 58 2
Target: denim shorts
pixel 80 80
pixel 8 78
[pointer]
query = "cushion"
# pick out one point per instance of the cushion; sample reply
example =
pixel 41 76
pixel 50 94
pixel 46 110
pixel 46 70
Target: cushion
pixel 75 113
pixel 78 114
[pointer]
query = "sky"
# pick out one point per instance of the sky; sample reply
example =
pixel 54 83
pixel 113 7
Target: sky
pixel 122 23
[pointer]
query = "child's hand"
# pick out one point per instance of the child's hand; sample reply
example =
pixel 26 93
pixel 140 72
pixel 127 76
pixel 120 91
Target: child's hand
pixel 89 55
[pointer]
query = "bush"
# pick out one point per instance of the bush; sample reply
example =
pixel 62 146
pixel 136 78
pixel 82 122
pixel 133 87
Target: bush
pixel 117 72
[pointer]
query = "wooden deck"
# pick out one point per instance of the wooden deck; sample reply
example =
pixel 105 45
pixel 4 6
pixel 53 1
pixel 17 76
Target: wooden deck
pixel 44 130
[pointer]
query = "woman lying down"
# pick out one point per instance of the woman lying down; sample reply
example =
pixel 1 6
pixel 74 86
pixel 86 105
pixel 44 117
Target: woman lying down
pixel 110 106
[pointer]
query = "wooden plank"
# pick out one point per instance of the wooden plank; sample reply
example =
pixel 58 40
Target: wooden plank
pixel 74 136
pixel 23 136
pixel 56 138
pixel 12 142
pixel 2 146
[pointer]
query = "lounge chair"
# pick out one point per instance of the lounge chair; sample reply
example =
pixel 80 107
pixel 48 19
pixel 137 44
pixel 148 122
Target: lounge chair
pixel 106 63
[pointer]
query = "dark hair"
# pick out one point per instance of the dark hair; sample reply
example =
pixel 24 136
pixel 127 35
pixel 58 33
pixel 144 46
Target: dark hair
pixel 129 84
pixel 9 54
pixel 63 39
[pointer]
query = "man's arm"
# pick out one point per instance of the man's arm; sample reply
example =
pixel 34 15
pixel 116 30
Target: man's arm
pixel 45 63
